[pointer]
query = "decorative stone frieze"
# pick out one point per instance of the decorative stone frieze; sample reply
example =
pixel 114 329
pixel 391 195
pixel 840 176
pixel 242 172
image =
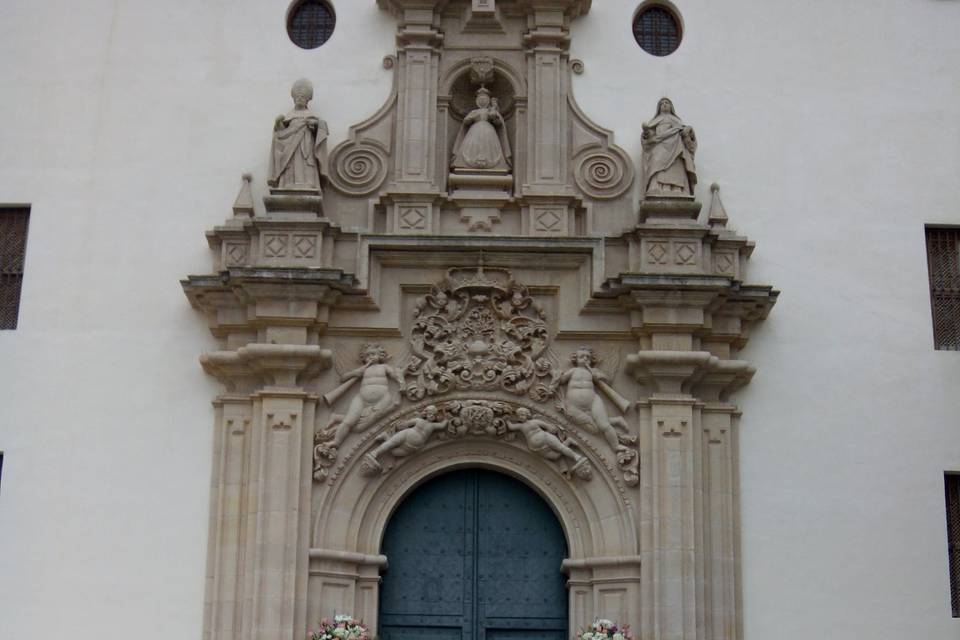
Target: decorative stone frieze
pixel 477 284
pixel 477 418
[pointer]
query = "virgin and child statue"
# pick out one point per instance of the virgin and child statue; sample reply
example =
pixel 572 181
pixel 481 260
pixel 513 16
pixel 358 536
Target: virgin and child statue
pixel 299 149
pixel 482 142
pixel 668 149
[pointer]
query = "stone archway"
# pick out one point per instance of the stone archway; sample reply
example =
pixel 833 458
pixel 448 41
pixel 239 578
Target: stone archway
pixel 353 508
pixel 473 554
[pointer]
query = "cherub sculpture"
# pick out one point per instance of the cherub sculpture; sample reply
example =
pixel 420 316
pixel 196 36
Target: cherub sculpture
pixel 411 436
pixel 542 439
pixel 372 401
pixel 585 406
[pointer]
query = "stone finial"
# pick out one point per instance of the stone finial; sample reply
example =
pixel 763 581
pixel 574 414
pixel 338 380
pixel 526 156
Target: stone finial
pixel 718 215
pixel 243 205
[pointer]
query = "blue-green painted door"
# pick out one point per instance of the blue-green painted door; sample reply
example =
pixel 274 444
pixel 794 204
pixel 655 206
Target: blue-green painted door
pixel 473 555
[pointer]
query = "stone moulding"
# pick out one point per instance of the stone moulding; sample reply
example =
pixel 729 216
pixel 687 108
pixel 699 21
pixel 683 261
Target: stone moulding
pixel 602 169
pixel 360 164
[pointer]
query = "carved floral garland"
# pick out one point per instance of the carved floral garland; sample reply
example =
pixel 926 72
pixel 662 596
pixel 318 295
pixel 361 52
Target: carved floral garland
pixel 475 418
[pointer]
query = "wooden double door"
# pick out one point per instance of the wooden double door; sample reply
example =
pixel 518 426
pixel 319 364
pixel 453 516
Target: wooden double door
pixel 473 555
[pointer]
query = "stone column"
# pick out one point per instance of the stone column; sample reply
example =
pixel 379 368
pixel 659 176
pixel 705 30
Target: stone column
pixel 228 517
pixel 262 480
pixel 689 513
pixel 415 186
pixel 546 63
pixel 670 495
pixel 546 196
pixel 345 582
pixel 608 586
pixel 277 540
pixel 262 471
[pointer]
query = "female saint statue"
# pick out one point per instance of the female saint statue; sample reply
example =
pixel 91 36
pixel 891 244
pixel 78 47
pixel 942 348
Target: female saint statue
pixel 482 141
pixel 668 149
pixel 299 149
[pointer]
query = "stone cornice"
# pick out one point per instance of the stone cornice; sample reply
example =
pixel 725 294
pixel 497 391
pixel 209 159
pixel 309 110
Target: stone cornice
pixel 572 8
pixel 279 365
pixel 689 372
pixel 246 298
pixel 710 306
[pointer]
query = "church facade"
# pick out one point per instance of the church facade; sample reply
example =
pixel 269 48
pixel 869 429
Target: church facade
pixel 504 325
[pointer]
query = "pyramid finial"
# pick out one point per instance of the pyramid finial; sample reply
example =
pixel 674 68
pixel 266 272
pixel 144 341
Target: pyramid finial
pixel 718 215
pixel 243 205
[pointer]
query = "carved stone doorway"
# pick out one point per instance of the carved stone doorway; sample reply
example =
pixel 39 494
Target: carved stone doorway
pixel 473 554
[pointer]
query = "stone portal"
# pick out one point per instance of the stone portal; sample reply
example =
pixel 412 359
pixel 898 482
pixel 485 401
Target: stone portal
pixel 475 278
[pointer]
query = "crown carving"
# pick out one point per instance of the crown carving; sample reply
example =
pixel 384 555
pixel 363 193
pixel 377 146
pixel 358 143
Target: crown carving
pixel 474 279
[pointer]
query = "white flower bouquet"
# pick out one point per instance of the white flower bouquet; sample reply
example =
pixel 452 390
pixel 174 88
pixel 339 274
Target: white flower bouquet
pixel 342 627
pixel 602 629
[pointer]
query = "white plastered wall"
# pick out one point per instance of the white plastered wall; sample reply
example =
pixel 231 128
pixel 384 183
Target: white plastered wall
pixel 833 127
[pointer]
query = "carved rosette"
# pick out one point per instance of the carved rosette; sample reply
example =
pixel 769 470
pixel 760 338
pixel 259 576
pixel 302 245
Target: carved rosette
pixel 358 168
pixel 603 173
pixel 479 330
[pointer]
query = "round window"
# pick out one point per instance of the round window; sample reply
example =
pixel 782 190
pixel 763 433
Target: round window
pixel 657 29
pixel 310 23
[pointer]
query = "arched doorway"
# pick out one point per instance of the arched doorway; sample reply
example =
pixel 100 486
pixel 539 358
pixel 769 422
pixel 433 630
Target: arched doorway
pixel 473 555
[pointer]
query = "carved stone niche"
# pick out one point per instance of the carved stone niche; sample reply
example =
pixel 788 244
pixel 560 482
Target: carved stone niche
pixel 531 165
pixel 482 105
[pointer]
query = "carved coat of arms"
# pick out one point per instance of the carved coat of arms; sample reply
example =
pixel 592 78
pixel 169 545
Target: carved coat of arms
pixel 479 330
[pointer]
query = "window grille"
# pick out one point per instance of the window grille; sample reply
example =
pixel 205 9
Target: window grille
pixel 311 23
pixel 13 247
pixel 953 538
pixel 657 30
pixel 943 263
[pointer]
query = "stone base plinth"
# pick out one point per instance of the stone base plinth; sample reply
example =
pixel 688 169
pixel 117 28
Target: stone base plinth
pixel 288 201
pixel 654 208
pixel 480 195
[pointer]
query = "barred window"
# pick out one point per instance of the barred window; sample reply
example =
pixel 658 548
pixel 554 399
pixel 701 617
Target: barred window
pixel 943 264
pixel 310 23
pixel 953 538
pixel 13 248
pixel 657 30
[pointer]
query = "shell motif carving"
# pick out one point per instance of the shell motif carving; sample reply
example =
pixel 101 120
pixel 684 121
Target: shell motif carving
pixel 603 173
pixel 479 330
pixel 358 169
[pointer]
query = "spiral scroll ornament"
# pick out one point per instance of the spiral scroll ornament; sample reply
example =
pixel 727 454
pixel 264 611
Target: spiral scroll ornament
pixel 604 173
pixel 358 169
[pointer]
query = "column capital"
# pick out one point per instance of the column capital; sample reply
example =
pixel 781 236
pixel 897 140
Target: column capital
pixel 257 365
pixel 688 373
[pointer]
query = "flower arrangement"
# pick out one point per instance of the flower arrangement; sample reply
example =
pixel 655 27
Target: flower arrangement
pixel 602 629
pixel 342 627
